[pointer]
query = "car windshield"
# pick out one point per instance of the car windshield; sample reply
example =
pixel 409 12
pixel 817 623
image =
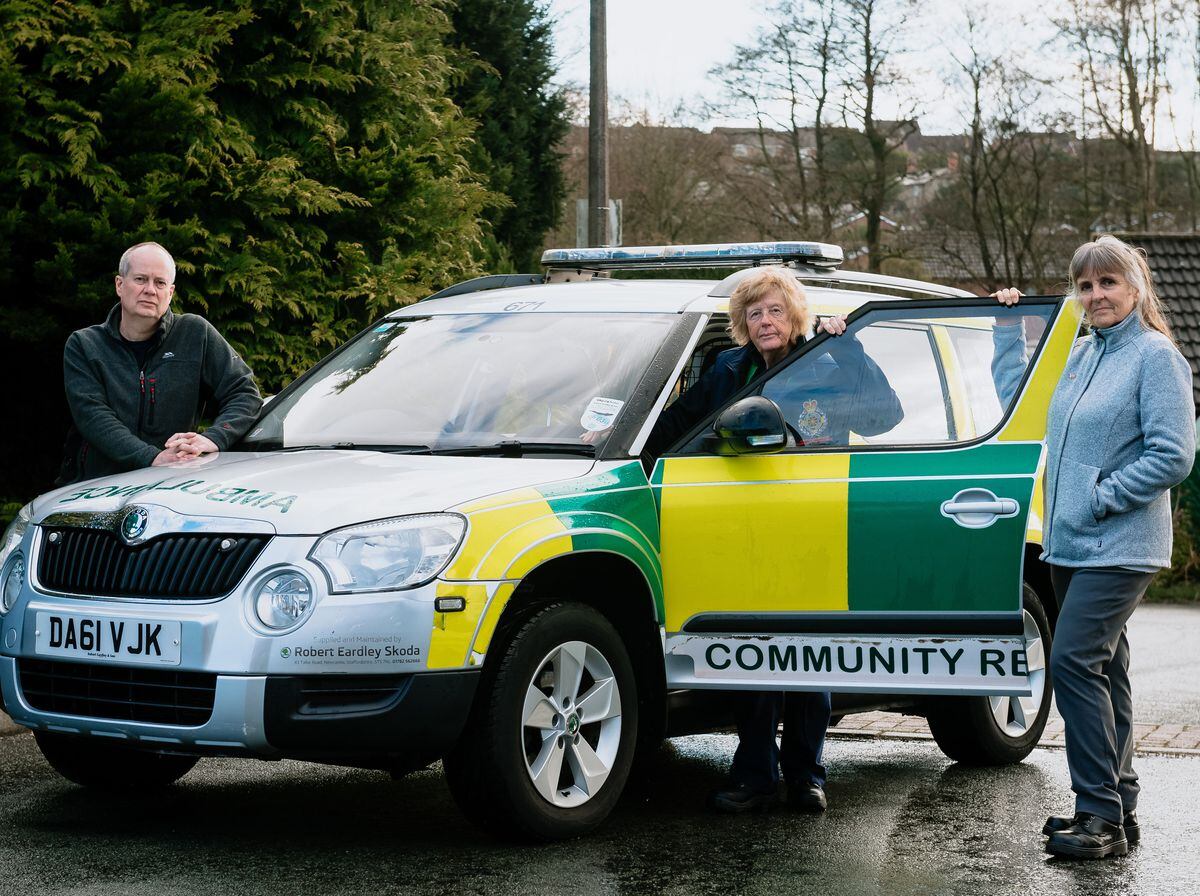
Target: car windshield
pixel 504 383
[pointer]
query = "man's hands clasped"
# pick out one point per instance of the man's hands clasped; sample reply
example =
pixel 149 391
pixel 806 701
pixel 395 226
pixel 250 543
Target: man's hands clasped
pixel 184 447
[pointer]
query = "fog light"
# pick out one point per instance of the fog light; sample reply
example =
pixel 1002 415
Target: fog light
pixel 14 578
pixel 283 600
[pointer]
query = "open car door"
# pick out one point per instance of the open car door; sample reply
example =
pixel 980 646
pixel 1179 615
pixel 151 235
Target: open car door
pixel 880 548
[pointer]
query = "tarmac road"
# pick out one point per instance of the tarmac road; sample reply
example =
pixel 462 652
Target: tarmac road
pixel 902 820
pixel 1164 668
pixel 1164 647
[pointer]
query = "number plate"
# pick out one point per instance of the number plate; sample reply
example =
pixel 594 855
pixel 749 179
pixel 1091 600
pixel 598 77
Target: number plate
pixel 108 639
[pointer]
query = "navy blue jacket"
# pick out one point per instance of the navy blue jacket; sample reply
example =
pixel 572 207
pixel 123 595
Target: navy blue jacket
pixel 839 391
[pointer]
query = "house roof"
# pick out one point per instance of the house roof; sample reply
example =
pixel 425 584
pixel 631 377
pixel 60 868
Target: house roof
pixel 1175 263
pixel 943 256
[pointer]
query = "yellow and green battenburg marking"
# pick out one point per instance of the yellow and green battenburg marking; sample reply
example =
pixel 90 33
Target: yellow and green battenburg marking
pixel 773 536
pixel 511 533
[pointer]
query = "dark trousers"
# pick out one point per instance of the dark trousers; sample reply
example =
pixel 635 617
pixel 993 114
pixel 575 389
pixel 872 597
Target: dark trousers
pixel 805 720
pixel 1089 665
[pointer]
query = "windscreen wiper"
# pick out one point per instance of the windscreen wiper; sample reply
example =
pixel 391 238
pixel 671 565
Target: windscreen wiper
pixel 514 448
pixel 345 446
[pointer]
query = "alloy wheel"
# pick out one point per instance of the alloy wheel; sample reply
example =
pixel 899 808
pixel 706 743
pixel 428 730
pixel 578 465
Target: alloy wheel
pixel 571 724
pixel 1015 715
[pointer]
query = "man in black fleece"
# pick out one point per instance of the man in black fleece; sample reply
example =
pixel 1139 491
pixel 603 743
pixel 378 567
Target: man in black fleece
pixel 137 383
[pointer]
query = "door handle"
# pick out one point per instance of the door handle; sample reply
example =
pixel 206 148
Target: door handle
pixel 978 508
pixel 999 507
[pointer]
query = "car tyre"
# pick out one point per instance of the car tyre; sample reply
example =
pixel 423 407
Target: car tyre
pixel 530 764
pixel 999 730
pixel 110 767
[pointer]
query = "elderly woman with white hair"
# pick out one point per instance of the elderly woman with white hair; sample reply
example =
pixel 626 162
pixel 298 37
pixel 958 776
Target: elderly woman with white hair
pixel 1119 435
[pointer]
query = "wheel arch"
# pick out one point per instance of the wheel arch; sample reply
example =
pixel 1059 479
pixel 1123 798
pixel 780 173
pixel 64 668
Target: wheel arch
pixel 617 588
pixel 1037 575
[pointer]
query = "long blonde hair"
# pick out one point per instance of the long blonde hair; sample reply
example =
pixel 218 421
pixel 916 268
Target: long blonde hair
pixel 1108 255
pixel 754 287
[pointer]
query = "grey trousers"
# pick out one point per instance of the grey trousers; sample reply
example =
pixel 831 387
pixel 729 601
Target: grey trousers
pixel 1089 665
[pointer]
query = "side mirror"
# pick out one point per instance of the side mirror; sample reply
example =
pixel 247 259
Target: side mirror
pixel 753 425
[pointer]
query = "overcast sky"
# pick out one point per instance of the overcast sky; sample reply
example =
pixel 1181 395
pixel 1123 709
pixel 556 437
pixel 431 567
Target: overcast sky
pixel 660 51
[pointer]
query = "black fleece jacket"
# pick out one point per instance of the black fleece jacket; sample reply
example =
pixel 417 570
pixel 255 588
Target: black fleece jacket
pixel 124 413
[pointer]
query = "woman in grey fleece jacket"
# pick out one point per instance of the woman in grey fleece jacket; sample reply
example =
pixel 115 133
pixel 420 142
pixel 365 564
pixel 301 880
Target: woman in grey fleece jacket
pixel 1119 435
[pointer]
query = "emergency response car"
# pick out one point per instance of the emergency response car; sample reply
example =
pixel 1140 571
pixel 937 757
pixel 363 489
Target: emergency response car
pixel 445 540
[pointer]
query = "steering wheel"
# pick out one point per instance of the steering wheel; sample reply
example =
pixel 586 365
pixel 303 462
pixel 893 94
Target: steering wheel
pixel 794 433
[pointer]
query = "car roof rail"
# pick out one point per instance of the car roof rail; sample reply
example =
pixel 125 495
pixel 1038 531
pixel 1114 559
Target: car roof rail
pixel 860 281
pixel 712 255
pixel 491 281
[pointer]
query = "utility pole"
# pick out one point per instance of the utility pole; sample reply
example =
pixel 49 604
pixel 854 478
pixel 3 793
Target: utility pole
pixel 598 131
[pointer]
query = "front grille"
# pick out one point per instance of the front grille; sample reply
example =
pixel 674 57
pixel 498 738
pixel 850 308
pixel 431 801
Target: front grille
pixel 96 562
pixel 159 696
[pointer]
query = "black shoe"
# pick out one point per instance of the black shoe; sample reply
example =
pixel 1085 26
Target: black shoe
pixel 1133 833
pixel 741 798
pixel 1056 823
pixel 1061 822
pixel 807 797
pixel 1090 837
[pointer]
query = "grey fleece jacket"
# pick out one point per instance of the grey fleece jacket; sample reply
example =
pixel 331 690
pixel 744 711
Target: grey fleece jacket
pixel 1119 435
pixel 123 413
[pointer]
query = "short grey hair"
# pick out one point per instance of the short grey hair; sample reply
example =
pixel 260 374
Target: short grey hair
pixel 123 264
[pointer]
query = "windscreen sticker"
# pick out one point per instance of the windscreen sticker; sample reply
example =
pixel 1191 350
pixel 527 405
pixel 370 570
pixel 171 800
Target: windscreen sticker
pixel 383 328
pixel 212 491
pixel 600 414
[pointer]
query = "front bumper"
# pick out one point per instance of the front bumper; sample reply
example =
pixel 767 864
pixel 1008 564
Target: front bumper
pixel 323 717
pixel 338 718
pixel 350 684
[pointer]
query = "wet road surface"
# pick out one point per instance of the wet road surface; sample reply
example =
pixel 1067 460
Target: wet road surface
pixel 902 820
pixel 1166 689
pixel 1163 650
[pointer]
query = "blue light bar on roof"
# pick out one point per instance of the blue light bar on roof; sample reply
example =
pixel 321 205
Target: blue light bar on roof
pixel 722 255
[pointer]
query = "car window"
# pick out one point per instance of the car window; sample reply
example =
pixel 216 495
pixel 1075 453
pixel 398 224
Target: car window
pixel 906 355
pixel 884 383
pixel 714 340
pixel 452 381
pixel 975 350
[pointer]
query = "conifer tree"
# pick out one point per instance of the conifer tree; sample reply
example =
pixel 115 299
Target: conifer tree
pixel 304 164
pixel 523 119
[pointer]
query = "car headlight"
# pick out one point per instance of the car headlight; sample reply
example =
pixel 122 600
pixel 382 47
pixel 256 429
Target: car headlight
pixel 14 578
pixel 12 574
pixel 389 555
pixel 14 533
